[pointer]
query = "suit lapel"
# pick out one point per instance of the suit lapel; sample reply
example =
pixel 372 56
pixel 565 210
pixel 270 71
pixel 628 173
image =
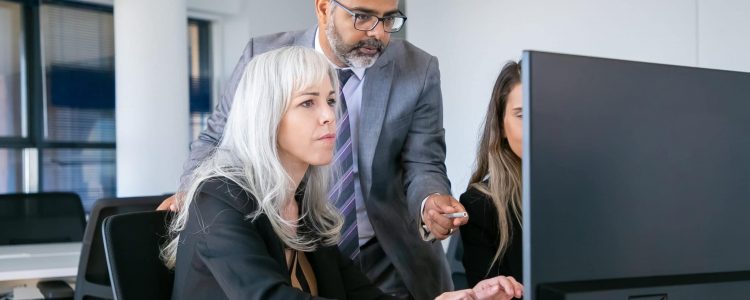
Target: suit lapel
pixel 274 244
pixel 375 97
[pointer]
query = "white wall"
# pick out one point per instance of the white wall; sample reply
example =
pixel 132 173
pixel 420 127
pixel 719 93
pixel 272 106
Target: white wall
pixel 473 38
pixel 151 95
pixel 724 33
pixel 254 18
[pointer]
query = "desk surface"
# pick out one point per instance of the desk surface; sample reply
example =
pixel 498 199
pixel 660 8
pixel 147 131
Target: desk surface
pixel 39 261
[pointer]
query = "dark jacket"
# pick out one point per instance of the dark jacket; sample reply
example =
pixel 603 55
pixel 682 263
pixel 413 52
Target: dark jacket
pixel 480 238
pixel 223 255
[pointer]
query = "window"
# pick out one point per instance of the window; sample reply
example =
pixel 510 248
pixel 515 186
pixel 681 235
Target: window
pixel 13 113
pixel 11 72
pixel 200 75
pixel 57 96
pixel 11 175
pixel 77 144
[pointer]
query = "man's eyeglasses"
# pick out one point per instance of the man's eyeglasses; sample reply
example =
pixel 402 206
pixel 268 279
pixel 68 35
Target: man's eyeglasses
pixel 367 22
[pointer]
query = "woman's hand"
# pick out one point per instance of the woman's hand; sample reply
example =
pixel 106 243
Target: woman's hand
pixel 458 295
pixel 170 203
pixel 495 288
pixel 498 288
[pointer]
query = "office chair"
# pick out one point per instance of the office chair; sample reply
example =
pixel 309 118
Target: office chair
pixel 36 218
pixel 132 243
pixel 93 281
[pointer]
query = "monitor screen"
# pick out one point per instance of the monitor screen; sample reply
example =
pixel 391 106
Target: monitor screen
pixel 634 171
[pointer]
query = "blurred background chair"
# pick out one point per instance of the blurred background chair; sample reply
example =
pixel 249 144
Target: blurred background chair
pixel 132 243
pixel 93 280
pixel 37 218
pixel 455 255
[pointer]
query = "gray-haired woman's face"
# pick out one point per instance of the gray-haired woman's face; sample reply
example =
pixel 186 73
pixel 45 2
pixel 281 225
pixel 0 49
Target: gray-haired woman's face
pixel 307 132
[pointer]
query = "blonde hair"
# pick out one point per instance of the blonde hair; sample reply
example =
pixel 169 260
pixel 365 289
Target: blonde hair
pixel 497 164
pixel 248 155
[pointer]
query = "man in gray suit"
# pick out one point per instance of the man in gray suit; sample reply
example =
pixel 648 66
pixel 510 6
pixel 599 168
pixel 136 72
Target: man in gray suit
pixel 394 105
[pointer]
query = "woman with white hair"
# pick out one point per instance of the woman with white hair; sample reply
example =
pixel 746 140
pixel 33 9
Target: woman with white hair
pixel 255 222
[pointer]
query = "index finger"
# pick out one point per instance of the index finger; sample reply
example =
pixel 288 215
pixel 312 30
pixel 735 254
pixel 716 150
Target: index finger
pixel 509 288
pixel 518 286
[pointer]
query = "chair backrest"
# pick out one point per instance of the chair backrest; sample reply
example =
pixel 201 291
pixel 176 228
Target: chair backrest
pixel 132 243
pixel 51 217
pixel 93 281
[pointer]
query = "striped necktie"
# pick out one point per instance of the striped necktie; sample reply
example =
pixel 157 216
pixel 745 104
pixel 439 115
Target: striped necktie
pixel 342 192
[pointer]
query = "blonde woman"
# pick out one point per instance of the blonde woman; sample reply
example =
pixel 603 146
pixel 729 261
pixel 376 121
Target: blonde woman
pixel 256 222
pixel 492 237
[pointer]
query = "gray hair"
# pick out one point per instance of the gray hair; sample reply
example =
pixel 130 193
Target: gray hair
pixel 248 155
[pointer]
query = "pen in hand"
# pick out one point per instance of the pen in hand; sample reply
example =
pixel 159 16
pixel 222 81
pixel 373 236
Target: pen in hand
pixel 462 214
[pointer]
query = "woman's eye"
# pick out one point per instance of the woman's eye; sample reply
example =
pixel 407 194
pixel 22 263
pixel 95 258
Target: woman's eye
pixel 307 103
pixel 331 102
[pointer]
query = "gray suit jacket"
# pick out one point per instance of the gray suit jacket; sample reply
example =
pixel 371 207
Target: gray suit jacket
pixel 401 151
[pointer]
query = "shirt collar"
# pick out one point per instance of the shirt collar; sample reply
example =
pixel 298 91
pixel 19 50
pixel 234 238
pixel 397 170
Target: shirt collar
pixel 360 72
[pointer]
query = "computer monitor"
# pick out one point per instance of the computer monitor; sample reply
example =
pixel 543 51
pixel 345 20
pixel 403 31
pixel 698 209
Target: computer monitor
pixel 636 180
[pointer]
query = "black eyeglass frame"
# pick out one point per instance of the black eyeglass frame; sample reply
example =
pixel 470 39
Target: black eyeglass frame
pixel 380 20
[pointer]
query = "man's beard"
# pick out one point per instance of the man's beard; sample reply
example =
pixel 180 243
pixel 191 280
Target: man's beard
pixel 350 54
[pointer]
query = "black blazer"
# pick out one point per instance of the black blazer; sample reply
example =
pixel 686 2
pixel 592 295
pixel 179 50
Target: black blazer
pixel 481 240
pixel 222 255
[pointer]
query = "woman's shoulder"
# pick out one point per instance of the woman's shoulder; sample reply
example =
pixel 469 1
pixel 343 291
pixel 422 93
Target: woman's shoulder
pixel 221 192
pixel 475 197
pixel 479 206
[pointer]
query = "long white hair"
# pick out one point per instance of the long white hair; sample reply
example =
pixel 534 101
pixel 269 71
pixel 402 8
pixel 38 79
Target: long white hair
pixel 248 155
